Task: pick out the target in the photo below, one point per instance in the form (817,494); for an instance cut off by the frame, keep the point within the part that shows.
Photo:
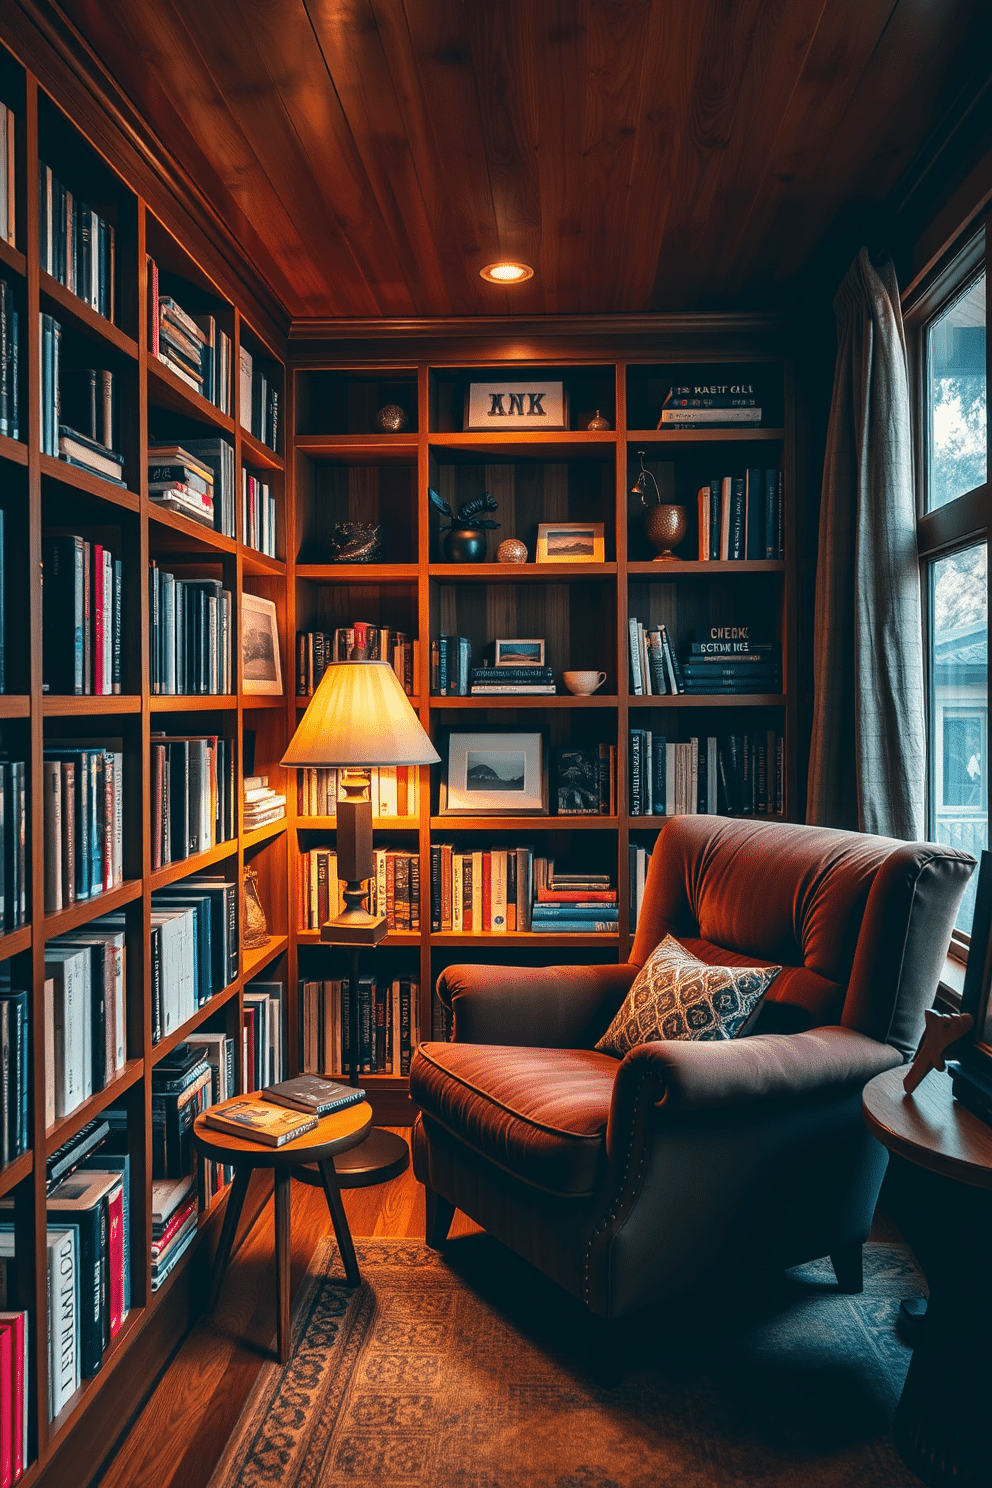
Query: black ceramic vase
(465,545)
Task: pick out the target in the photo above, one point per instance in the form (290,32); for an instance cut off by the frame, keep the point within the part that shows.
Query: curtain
(868,755)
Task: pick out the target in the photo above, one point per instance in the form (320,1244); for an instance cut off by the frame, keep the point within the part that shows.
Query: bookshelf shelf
(166,390)
(255,961)
(255,562)
(211,702)
(175,872)
(69,308)
(683,569)
(85,910)
(13,705)
(186,535)
(14,942)
(12,258)
(379,823)
(15,1172)
(68,1126)
(523,700)
(264,834)
(522,937)
(559,445)
(729,434)
(182,1033)
(712,700)
(255,453)
(92,485)
(82,1399)
(259,701)
(359,573)
(55,705)
(524,823)
(13,450)
(360,449)
(521,573)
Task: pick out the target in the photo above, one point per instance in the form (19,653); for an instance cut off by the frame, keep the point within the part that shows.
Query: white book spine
(63,1317)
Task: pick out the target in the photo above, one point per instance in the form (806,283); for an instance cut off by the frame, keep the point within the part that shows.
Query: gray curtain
(868,757)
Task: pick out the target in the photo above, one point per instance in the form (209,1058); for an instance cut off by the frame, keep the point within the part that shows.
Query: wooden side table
(941,1423)
(338,1132)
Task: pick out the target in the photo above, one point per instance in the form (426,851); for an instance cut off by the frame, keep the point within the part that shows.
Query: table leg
(340,1222)
(235,1204)
(284,1256)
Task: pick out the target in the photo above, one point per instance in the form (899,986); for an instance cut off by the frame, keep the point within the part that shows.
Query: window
(947,339)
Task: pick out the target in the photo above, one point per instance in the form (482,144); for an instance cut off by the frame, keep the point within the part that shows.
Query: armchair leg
(439,1216)
(848,1268)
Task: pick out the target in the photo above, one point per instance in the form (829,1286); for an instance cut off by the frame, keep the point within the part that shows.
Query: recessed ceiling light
(507,273)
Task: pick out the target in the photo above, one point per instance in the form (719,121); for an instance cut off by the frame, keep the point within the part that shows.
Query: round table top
(334,1133)
(929,1127)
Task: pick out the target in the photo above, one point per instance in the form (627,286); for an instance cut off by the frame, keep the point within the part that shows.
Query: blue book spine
(575,927)
(771,514)
(574,912)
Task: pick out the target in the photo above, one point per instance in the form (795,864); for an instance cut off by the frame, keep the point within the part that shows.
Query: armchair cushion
(677,996)
(539,1114)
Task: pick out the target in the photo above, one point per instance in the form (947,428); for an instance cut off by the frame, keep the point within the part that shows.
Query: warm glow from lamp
(507,273)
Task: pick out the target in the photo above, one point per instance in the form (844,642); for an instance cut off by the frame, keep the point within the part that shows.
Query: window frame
(967,519)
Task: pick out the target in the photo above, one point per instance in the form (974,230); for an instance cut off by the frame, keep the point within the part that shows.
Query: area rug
(469,1370)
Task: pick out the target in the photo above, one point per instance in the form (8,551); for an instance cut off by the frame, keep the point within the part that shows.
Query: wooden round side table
(941,1422)
(335,1133)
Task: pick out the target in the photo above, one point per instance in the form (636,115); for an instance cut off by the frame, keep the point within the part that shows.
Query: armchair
(629,1181)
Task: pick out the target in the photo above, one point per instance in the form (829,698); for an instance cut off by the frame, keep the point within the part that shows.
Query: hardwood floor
(176,1440)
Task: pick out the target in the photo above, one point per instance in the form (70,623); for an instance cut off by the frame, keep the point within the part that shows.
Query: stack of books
(193,347)
(654,666)
(258,514)
(691,405)
(13,844)
(258,400)
(317,649)
(10,378)
(175,1209)
(193,948)
(181,1091)
(573,903)
(388,1026)
(192,789)
(178,481)
(15,1017)
(8,176)
(451,660)
(85,1014)
(735,775)
(742,517)
(85,400)
(217,455)
(732,666)
(76,244)
(394,790)
(508,679)
(586,781)
(190,634)
(220,1051)
(83,598)
(84,820)
(261,803)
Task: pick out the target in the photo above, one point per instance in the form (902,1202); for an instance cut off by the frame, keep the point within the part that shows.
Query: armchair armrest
(545,1007)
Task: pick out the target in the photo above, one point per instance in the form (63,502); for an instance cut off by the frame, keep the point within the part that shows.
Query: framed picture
(570,542)
(520,653)
(260,669)
(509,406)
(495,775)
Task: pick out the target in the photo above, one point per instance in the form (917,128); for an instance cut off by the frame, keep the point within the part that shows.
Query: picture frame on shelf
(495,775)
(261,671)
(520,653)
(972,1072)
(508,407)
(570,542)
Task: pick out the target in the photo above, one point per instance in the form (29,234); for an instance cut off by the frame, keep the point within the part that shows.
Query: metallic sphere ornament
(391,419)
(511,550)
(599,423)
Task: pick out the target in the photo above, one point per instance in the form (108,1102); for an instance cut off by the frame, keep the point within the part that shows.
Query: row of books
(76,244)
(492,680)
(638,860)
(735,775)
(193,347)
(316,649)
(77,410)
(10,378)
(13,844)
(573,903)
(176,1206)
(263,1043)
(15,1391)
(586,781)
(482,891)
(742,516)
(258,514)
(707,668)
(85,1014)
(82,616)
(194,948)
(258,400)
(692,404)
(15,1015)
(262,805)
(394,790)
(194,806)
(451,662)
(191,634)
(195,477)
(388,1026)
(84,820)
(8,176)
(394,889)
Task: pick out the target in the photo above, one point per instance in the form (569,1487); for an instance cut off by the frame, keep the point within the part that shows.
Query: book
(256,1121)
(313,1094)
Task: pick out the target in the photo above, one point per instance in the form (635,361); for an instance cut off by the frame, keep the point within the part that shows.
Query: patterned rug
(466,1371)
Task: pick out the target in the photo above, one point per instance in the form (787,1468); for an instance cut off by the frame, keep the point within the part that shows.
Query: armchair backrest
(859,924)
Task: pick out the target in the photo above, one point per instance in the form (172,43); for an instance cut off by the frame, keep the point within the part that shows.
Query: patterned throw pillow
(676,996)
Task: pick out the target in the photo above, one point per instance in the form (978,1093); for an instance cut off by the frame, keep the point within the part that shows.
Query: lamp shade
(360,716)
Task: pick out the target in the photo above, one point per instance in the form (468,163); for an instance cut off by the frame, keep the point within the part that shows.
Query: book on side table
(314,1094)
(256,1122)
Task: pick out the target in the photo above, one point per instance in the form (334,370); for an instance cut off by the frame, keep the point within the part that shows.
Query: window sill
(951,985)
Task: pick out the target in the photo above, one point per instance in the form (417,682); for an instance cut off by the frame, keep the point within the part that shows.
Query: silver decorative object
(391,419)
(354,542)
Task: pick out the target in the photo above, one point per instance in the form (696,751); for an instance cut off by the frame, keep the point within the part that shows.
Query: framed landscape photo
(570,542)
(520,653)
(495,775)
(260,669)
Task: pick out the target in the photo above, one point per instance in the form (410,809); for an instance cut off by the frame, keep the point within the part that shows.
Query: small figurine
(354,542)
(466,539)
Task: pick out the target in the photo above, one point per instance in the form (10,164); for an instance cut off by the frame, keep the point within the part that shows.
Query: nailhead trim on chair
(612,1217)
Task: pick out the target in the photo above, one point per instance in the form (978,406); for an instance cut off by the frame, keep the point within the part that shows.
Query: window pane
(956,398)
(959,671)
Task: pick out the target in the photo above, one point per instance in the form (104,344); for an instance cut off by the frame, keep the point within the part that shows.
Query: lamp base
(354,928)
(383,1155)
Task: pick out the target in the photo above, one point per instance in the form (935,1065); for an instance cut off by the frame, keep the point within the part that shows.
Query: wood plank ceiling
(373,155)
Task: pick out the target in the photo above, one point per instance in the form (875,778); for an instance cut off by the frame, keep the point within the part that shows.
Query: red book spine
(390,891)
(467,925)
(153,307)
(115,1230)
(109,791)
(250,1031)
(175,1224)
(96,593)
(13,1324)
(576,896)
(6,1407)
(487,891)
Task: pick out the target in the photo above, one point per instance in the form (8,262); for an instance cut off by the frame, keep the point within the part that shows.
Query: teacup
(583,683)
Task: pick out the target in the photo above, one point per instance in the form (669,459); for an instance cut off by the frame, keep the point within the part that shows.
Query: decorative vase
(256,931)
(598,423)
(664,528)
(511,550)
(465,545)
(391,419)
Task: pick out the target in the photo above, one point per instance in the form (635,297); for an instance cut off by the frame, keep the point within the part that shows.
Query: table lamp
(359,717)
